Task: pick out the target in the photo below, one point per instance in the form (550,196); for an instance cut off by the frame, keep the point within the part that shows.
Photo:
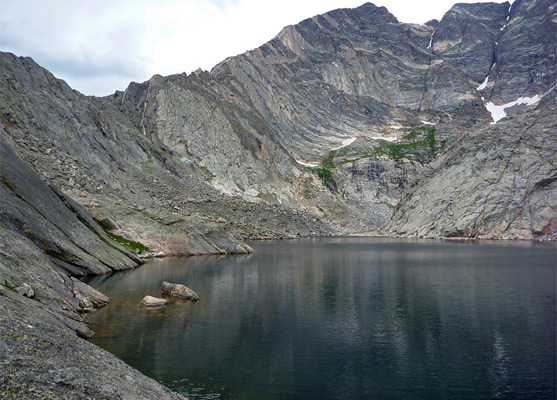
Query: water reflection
(344,318)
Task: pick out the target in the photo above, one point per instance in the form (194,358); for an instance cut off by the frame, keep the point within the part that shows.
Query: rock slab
(150,301)
(179,290)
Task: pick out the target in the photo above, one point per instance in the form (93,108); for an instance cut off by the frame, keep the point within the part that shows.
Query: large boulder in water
(180,291)
(150,301)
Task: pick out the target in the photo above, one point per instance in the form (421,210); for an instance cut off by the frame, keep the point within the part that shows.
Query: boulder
(87,296)
(26,290)
(150,301)
(180,291)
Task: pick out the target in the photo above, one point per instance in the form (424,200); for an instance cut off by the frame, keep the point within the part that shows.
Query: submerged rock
(180,291)
(150,301)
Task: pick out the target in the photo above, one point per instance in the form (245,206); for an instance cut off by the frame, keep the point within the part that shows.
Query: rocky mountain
(349,122)
(489,183)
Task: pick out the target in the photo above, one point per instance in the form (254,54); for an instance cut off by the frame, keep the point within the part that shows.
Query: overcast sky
(100,46)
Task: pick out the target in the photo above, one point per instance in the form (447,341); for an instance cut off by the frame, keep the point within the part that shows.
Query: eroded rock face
(467,35)
(499,182)
(28,206)
(348,73)
(525,57)
(192,164)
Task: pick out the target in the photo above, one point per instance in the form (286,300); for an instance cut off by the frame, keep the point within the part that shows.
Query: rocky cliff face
(112,163)
(291,129)
(348,74)
(489,183)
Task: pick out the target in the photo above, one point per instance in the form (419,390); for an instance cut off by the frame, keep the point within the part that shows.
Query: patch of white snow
(306,163)
(431,41)
(386,138)
(427,123)
(345,143)
(498,112)
(484,84)
(396,127)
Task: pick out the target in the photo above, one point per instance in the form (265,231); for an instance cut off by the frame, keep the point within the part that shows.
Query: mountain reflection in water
(344,318)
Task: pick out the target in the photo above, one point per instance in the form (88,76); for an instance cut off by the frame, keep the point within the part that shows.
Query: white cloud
(100,46)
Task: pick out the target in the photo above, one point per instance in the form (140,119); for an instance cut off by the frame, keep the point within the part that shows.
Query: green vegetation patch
(420,143)
(12,288)
(130,244)
(325,172)
(7,183)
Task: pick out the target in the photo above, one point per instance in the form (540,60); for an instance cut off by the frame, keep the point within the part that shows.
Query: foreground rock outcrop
(44,237)
(40,354)
(40,358)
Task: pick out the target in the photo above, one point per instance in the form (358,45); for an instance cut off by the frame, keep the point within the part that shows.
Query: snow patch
(484,84)
(306,163)
(345,142)
(498,112)
(396,127)
(427,123)
(431,40)
(386,138)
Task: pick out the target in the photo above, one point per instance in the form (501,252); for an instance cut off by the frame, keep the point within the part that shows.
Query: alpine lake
(344,318)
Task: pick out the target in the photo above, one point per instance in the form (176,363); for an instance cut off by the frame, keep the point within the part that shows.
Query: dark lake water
(344,318)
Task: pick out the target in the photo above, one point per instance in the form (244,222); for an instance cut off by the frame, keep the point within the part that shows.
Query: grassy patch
(12,288)
(420,144)
(325,172)
(130,244)
(8,184)
(269,197)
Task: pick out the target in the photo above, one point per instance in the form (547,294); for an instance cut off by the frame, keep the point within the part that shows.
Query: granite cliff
(349,122)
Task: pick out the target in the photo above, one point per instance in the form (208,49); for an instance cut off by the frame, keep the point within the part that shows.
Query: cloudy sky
(99,46)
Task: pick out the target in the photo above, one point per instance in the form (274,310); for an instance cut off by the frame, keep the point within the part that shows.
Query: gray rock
(525,54)
(90,296)
(150,301)
(179,290)
(472,49)
(26,290)
(105,221)
(32,208)
(42,357)
(495,183)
